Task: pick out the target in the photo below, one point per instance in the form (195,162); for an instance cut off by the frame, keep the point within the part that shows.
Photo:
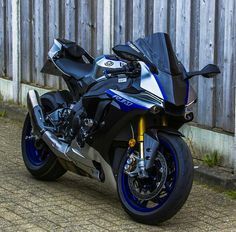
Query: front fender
(170,131)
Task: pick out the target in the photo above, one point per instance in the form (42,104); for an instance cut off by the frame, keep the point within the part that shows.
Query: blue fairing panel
(126,102)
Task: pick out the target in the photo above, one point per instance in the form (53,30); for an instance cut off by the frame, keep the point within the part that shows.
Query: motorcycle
(117,123)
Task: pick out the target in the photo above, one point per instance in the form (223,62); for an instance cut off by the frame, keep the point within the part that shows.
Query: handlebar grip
(117,70)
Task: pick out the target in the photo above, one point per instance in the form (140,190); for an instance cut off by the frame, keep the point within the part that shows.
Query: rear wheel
(40,162)
(157,198)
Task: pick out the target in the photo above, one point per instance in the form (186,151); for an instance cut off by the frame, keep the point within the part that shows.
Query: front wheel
(157,198)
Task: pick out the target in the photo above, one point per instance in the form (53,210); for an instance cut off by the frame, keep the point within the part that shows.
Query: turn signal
(132,142)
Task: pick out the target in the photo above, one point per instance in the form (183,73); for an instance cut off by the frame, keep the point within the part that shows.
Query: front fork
(140,139)
(147,151)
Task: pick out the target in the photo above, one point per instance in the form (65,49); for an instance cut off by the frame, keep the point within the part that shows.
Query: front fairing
(170,78)
(169,88)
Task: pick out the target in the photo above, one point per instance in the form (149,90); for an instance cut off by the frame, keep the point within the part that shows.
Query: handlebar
(121,70)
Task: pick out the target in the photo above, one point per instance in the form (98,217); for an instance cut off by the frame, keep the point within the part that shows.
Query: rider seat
(72,60)
(74,68)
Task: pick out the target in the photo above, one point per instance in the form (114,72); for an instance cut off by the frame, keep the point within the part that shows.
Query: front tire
(177,187)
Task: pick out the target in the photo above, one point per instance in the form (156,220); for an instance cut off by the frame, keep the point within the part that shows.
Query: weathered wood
(160,16)
(219,53)
(8,39)
(97,25)
(16,50)
(194,47)
(2,38)
(70,19)
(107,25)
(86,25)
(26,44)
(120,21)
(229,65)
(39,28)
(183,37)
(138,19)
(206,87)
(171,20)
(149,17)
(93,28)
(53,33)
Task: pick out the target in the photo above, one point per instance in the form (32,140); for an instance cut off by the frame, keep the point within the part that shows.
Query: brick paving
(75,203)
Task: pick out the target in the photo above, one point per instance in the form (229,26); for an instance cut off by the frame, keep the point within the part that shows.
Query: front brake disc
(150,187)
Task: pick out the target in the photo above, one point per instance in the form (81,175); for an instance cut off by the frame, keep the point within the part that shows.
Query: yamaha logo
(122,100)
(109,63)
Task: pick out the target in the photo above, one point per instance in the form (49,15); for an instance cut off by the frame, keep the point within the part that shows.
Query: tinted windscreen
(159,51)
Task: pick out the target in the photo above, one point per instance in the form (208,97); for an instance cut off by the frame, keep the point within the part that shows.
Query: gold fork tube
(141,131)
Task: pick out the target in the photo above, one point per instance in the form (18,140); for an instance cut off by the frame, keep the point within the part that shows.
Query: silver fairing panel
(83,158)
(148,81)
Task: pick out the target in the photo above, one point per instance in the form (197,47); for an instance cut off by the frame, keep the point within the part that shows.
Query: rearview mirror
(210,70)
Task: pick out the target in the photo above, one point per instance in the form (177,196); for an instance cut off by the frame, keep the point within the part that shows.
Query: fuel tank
(106,62)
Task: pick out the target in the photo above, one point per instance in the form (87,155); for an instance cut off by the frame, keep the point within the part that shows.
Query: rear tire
(42,164)
(168,206)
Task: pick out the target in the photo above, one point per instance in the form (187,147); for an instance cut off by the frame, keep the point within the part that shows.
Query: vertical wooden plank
(16,49)
(229,66)
(62,19)
(129,20)
(160,16)
(171,18)
(206,56)
(107,26)
(94,24)
(2,37)
(39,41)
(234,148)
(119,21)
(149,17)
(219,53)
(99,27)
(70,20)
(53,33)
(138,19)
(9,39)
(86,25)
(183,22)
(26,41)
(194,47)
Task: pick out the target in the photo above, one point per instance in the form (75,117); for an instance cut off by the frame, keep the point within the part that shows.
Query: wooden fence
(202,32)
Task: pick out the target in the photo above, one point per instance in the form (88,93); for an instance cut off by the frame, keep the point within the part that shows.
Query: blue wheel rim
(35,157)
(134,202)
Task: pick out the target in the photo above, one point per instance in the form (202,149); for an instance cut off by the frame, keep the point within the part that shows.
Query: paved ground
(74,203)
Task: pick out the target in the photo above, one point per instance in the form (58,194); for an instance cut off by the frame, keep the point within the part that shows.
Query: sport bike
(118,123)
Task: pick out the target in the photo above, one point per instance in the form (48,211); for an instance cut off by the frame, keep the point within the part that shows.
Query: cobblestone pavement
(74,203)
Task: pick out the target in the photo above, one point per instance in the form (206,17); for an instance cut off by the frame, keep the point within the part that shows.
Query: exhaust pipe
(35,111)
(37,119)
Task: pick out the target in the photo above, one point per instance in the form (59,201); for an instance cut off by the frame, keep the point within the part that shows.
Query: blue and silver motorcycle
(118,123)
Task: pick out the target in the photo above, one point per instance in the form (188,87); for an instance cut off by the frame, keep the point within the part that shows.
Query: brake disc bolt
(130,161)
(127,167)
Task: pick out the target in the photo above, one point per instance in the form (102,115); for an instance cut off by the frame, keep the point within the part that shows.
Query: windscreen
(158,49)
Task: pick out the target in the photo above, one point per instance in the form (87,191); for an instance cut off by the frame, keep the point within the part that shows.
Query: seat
(74,68)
